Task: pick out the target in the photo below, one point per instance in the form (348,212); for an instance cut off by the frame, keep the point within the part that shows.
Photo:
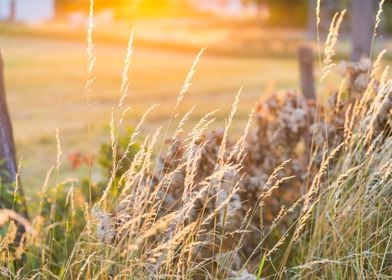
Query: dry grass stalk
(125,74)
(188,79)
(7,215)
(330,43)
(91,58)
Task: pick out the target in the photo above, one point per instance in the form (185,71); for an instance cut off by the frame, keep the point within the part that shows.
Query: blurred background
(250,43)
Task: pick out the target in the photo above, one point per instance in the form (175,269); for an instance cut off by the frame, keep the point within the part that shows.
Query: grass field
(46,78)
(302,193)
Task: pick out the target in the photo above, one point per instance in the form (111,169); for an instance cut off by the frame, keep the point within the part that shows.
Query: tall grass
(209,207)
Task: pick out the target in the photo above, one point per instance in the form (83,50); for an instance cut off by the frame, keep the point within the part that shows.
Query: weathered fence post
(8,165)
(305,58)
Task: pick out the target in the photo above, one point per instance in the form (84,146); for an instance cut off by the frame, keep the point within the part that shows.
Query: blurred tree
(84,4)
(327,10)
(363,16)
(9,196)
(124,8)
(285,12)
(387,16)
(12,10)
(71,4)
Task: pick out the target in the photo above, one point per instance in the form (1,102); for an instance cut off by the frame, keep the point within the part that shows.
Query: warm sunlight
(195,139)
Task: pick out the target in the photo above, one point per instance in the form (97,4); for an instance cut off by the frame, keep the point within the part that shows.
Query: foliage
(125,8)
(387,14)
(285,12)
(105,155)
(10,198)
(125,154)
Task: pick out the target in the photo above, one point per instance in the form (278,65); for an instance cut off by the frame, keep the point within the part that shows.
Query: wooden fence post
(305,58)
(8,165)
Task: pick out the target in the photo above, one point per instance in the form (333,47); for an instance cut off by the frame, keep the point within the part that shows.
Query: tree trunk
(327,9)
(12,16)
(7,148)
(363,14)
(8,166)
(312,20)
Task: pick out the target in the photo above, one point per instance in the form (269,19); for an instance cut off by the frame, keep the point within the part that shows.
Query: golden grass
(182,213)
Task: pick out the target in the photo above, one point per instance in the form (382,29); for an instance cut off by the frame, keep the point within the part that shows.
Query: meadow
(289,188)
(46,78)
